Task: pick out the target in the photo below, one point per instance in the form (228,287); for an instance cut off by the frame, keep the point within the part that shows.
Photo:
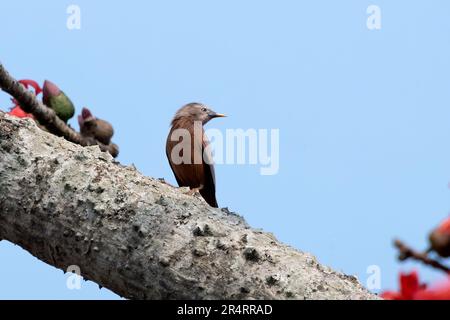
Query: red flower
(17,110)
(19,113)
(439,292)
(31,83)
(411,289)
(409,286)
(392,295)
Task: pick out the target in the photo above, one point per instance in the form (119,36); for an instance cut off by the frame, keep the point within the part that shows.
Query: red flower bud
(440,239)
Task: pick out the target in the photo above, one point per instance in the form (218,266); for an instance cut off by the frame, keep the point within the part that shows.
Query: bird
(194,170)
(57,100)
(92,127)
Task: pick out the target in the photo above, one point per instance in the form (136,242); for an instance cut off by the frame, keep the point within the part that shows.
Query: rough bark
(143,239)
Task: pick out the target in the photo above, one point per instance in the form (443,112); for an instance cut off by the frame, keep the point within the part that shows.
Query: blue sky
(363,114)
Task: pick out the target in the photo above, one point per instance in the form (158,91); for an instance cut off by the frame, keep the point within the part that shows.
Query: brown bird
(188,153)
(96,128)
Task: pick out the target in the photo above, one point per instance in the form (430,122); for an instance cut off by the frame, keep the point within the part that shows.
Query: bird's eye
(204,109)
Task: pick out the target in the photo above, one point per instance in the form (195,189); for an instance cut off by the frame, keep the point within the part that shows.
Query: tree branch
(141,238)
(46,116)
(409,253)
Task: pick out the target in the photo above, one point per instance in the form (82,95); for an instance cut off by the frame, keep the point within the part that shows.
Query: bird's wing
(187,175)
(209,188)
(174,168)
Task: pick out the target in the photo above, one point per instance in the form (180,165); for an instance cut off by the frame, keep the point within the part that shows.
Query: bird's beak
(216,115)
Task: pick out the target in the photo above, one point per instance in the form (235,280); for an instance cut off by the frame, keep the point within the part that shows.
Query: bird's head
(196,112)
